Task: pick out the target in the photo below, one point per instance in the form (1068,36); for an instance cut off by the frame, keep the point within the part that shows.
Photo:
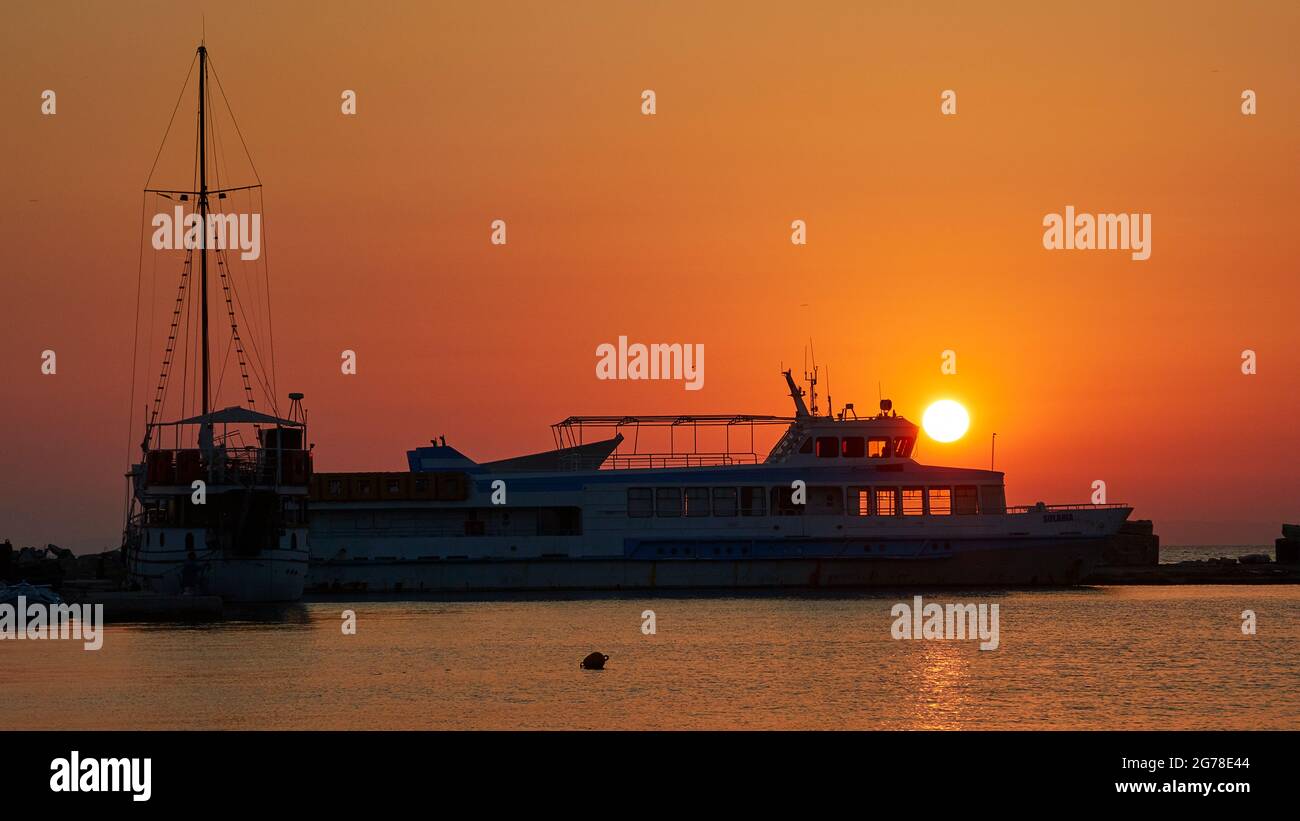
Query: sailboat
(217,503)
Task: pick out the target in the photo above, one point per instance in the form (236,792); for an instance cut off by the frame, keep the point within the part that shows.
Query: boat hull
(277,575)
(1040,562)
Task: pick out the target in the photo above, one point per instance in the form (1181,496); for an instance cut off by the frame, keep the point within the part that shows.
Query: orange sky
(925,231)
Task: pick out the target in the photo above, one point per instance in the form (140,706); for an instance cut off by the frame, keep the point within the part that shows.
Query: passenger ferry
(838,502)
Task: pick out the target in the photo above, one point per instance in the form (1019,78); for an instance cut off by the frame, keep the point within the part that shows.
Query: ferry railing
(1042,508)
(643,461)
(247,465)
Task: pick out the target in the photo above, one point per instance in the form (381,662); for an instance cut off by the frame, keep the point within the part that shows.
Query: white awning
(235,415)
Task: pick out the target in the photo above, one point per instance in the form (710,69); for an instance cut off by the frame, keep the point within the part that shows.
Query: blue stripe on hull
(670,549)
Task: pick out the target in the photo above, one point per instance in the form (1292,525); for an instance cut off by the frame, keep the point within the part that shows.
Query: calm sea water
(1192,552)
(1121,657)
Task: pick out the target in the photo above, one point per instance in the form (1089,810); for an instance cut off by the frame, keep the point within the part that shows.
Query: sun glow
(945,421)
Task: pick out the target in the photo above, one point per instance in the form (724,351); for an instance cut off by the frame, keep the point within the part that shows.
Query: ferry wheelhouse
(838,501)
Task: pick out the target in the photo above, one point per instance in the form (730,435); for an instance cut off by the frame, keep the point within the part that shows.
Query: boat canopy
(235,415)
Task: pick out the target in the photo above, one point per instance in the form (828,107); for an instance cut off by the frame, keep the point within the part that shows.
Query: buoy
(595,661)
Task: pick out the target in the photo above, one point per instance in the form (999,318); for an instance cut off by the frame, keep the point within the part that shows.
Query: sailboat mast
(203,214)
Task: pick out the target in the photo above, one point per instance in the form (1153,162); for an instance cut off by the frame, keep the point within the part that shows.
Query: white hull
(277,575)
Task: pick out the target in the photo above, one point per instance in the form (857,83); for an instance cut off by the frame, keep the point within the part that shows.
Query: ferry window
(886,501)
(162,538)
(826,501)
(640,502)
(913,501)
(559,521)
(807,446)
(668,501)
(189,541)
(853,447)
(752,501)
(420,485)
(859,501)
(903,446)
(878,447)
(965,500)
(697,501)
(940,501)
(993,499)
(828,447)
(724,501)
(336,487)
(783,502)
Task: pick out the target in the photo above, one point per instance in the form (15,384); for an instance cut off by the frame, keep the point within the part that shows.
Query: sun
(945,421)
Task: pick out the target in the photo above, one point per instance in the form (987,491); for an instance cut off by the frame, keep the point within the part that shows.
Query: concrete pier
(1199,573)
(1133,557)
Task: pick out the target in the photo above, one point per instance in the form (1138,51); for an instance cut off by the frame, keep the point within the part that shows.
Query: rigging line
(135,339)
(179,98)
(228,286)
(268,373)
(220,160)
(258,371)
(169,353)
(221,377)
(266,274)
(218,154)
(265,378)
(223,257)
(135,348)
(153,295)
(233,121)
(172,336)
(256,301)
(225,358)
(185,362)
(262,382)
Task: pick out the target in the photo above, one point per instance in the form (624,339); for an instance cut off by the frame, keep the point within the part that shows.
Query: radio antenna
(811,376)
